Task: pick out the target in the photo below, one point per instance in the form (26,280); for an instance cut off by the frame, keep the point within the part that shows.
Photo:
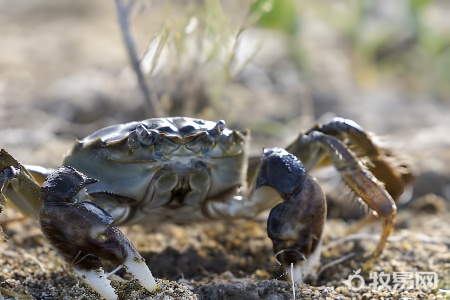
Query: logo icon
(356,277)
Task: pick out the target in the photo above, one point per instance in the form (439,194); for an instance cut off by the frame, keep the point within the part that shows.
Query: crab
(183,170)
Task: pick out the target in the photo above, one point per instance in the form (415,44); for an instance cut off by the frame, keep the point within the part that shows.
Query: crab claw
(294,226)
(18,186)
(84,234)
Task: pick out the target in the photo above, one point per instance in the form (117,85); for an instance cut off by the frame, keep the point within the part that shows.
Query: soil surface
(64,74)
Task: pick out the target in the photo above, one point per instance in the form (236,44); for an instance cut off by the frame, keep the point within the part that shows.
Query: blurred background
(272,66)
(275,67)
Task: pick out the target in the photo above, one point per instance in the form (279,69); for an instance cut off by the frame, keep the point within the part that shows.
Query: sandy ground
(63,75)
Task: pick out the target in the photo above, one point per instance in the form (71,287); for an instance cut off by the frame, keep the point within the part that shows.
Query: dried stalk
(123,14)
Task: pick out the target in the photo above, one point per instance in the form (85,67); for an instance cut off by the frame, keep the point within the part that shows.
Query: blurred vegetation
(403,42)
(408,41)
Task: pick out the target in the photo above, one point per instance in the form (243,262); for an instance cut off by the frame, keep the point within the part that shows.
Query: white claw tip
(137,267)
(98,281)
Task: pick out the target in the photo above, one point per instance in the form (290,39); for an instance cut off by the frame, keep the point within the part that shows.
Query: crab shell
(161,169)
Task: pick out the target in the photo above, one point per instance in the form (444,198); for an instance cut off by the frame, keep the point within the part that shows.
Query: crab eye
(145,136)
(215,132)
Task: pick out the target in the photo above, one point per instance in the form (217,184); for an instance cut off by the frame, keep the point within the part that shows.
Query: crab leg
(358,177)
(393,170)
(18,186)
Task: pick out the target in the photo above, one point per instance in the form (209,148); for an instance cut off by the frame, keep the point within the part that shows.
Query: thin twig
(335,262)
(35,259)
(392,239)
(292,279)
(123,14)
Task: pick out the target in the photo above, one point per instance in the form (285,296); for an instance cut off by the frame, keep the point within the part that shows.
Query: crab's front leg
(18,185)
(356,175)
(295,226)
(84,233)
